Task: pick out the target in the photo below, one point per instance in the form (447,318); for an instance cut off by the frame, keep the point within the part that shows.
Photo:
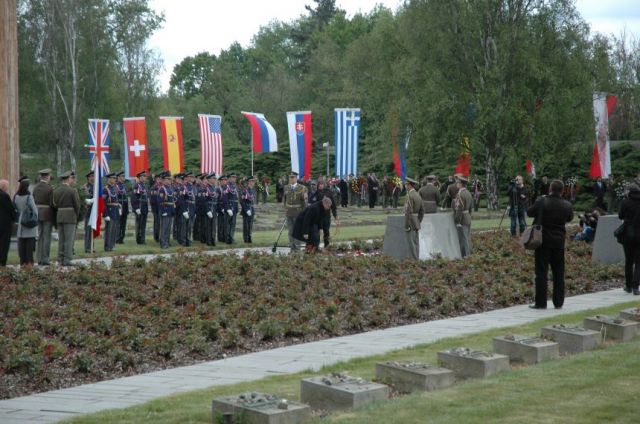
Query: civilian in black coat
(308,223)
(7,218)
(556,213)
(630,214)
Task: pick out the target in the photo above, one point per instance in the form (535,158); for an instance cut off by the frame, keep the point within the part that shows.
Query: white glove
(186,215)
(138,211)
(249,212)
(164,214)
(88,201)
(230,212)
(107,218)
(210,214)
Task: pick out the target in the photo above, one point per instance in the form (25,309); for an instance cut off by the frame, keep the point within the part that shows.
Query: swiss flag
(135,141)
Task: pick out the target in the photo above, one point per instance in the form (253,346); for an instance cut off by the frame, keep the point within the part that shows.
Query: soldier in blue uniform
(188,210)
(197,221)
(153,201)
(177,189)
(230,205)
(222,213)
(166,208)
(210,197)
(248,213)
(140,206)
(112,212)
(124,208)
(88,201)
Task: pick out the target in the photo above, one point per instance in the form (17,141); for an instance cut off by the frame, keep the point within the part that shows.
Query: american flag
(99,150)
(210,143)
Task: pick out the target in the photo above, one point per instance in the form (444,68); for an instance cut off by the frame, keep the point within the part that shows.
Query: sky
(194,26)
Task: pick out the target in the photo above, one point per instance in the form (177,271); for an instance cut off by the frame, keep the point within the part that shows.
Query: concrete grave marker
(617,329)
(528,350)
(339,391)
(572,339)
(260,408)
(409,377)
(606,249)
(631,314)
(437,237)
(467,363)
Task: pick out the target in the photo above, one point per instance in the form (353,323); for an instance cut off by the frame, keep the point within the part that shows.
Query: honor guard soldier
(462,209)
(188,210)
(87,191)
(153,201)
(124,208)
(66,201)
(413,214)
(140,206)
(43,196)
(198,221)
(112,212)
(210,197)
(177,217)
(166,208)
(430,195)
(295,200)
(230,205)
(248,213)
(222,213)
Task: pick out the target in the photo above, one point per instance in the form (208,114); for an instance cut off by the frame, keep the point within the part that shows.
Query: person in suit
(373,186)
(518,203)
(66,201)
(630,214)
(43,196)
(556,213)
(599,190)
(413,214)
(462,209)
(309,221)
(7,217)
(430,195)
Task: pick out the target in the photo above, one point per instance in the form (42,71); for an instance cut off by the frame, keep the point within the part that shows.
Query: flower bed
(93,323)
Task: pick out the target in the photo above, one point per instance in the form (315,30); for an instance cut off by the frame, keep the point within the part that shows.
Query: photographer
(518,203)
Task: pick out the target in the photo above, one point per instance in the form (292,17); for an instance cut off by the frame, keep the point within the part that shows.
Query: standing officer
(153,202)
(124,206)
(462,208)
(188,210)
(518,204)
(112,212)
(430,195)
(177,217)
(413,214)
(87,189)
(248,212)
(450,191)
(43,196)
(294,200)
(68,212)
(198,222)
(210,197)
(166,208)
(140,206)
(222,213)
(230,205)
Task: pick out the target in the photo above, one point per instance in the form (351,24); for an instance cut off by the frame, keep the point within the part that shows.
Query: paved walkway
(123,392)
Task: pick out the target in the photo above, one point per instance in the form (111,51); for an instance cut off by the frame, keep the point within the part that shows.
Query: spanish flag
(171,133)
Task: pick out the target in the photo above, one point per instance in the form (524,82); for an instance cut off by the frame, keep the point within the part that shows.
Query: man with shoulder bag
(629,237)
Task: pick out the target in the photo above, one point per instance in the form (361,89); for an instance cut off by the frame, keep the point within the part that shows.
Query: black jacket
(7,212)
(310,216)
(556,213)
(629,207)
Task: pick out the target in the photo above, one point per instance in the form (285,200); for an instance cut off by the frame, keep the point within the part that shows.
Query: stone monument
(408,377)
(468,363)
(339,391)
(528,350)
(606,248)
(617,329)
(631,314)
(260,408)
(572,339)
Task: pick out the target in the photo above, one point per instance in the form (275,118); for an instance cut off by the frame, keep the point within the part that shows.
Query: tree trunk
(493,175)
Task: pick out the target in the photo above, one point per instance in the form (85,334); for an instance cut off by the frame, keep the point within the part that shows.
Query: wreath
(353,184)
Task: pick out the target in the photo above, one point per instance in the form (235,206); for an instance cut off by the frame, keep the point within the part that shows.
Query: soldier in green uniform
(66,201)
(43,196)
(462,208)
(295,200)
(413,214)
(430,195)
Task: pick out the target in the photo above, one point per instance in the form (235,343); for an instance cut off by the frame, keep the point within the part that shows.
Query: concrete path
(123,392)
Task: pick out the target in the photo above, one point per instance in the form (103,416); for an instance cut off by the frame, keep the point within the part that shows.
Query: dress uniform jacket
(43,196)
(112,207)
(413,207)
(463,205)
(431,197)
(140,198)
(67,204)
(294,199)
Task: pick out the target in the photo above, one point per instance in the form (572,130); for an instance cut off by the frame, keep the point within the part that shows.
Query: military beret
(90,173)
(65,175)
(141,174)
(21,179)
(110,175)
(45,171)
(411,181)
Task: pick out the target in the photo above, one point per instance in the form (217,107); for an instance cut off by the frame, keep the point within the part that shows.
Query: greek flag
(347,122)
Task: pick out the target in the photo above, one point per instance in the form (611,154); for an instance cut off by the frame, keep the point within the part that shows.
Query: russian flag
(300,142)
(263,135)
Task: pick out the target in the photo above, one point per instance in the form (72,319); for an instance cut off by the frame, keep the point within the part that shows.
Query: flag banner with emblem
(347,130)
(400,153)
(99,153)
(136,158)
(171,134)
(603,106)
(530,167)
(210,143)
(263,136)
(463,164)
(300,142)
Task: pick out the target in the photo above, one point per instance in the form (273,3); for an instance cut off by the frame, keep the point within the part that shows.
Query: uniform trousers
(156,226)
(111,232)
(26,246)
(88,233)
(43,248)
(5,242)
(413,241)
(247,228)
(186,230)
(230,223)
(294,244)
(165,231)
(141,227)
(464,233)
(66,238)
(631,265)
(222,227)
(210,230)
(122,227)
(545,257)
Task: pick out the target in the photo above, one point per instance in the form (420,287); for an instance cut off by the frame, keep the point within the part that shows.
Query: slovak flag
(135,142)
(300,142)
(263,136)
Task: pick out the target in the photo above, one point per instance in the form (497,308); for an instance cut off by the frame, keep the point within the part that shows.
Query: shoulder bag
(28,217)
(531,238)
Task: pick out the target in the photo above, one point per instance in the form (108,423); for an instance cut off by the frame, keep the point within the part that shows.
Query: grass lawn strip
(592,387)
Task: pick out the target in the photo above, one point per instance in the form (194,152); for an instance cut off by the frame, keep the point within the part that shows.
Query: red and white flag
(603,106)
(531,168)
(135,143)
(210,143)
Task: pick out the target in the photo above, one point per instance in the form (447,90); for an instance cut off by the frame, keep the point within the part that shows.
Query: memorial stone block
(340,392)
(260,408)
(631,314)
(437,237)
(617,329)
(467,363)
(605,247)
(528,350)
(572,339)
(409,377)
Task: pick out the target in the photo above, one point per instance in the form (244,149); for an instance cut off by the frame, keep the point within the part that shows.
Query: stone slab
(524,349)
(605,247)
(571,339)
(437,237)
(617,329)
(631,314)
(338,392)
(260,408)
(408,377)
(468,363)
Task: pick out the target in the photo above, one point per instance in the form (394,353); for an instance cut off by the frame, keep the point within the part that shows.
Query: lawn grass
(593,387)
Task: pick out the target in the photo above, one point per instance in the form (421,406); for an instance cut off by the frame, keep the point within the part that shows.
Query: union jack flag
(99,150)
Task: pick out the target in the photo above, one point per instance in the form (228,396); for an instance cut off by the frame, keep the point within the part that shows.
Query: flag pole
(251,160)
